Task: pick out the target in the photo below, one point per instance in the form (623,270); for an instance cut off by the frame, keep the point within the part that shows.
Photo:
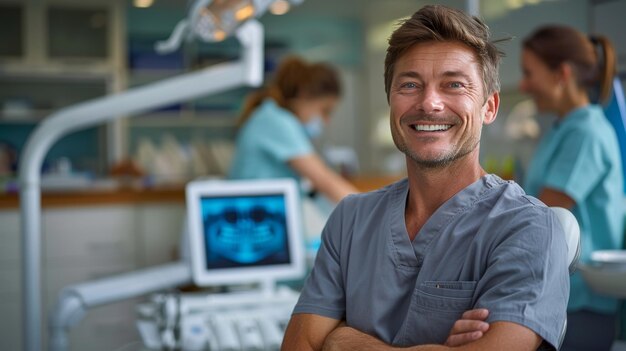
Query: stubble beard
(437,162)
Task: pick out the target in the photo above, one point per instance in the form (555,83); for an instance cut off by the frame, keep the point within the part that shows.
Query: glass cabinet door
(77,32)
(11,31)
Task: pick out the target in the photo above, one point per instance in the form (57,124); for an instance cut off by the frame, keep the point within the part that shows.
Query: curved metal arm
(75,300)
(218,78)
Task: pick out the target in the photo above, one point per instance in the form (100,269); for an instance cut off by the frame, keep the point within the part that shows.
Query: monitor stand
(267,287)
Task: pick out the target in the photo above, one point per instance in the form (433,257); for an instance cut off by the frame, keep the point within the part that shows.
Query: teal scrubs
(580,157)
(267,141)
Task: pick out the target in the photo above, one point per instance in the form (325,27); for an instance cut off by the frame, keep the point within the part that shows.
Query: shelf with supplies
(30,97)
(18,113)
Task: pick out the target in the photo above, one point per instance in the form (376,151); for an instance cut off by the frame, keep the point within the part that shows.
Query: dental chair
(572,238)
(572,235)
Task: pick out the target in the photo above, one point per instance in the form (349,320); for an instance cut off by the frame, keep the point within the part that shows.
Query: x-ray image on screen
(245,231)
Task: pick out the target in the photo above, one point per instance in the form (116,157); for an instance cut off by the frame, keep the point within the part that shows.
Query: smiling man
(398,266)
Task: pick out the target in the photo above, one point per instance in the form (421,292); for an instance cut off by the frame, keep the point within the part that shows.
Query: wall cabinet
(56,53)
(82,244)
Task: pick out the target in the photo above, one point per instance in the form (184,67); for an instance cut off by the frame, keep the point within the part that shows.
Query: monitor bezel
(199,189)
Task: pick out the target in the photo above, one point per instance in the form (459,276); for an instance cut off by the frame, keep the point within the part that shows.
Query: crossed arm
(313,332)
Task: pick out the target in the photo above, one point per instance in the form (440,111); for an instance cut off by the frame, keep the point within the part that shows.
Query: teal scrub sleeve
(576,166)
(286,139)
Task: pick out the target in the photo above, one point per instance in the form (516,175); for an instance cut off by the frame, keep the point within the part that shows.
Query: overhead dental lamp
(214,20)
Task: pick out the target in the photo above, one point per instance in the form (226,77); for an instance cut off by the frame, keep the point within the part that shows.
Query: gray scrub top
(489,246)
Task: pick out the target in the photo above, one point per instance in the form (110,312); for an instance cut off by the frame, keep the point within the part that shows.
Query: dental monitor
(244,232)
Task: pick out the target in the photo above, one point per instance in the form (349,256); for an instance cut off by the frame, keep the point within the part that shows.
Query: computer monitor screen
(244,231)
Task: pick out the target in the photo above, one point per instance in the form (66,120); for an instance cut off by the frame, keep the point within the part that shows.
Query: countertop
(136,195)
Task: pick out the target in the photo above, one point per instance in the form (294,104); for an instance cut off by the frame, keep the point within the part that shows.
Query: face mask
(314,127)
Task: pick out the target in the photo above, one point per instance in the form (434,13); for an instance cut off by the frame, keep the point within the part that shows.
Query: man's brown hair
(442,23)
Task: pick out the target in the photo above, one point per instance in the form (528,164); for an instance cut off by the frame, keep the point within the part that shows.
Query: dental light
(214,20)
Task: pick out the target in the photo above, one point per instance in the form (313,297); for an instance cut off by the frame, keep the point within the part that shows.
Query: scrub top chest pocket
(435,306)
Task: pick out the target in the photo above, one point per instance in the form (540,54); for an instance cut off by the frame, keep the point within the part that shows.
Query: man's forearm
(346,338)
(501,336)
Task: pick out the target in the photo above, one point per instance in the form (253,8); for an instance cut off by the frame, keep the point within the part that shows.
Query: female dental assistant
(577,164)
(278,123)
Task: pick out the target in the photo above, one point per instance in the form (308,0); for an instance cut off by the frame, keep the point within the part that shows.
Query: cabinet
(10,290)
(81,244)
(56,53)
(11,21)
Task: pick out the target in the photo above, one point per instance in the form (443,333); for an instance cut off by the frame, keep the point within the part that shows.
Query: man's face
(438,104)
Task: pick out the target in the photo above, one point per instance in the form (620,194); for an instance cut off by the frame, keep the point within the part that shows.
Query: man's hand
(470,327)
